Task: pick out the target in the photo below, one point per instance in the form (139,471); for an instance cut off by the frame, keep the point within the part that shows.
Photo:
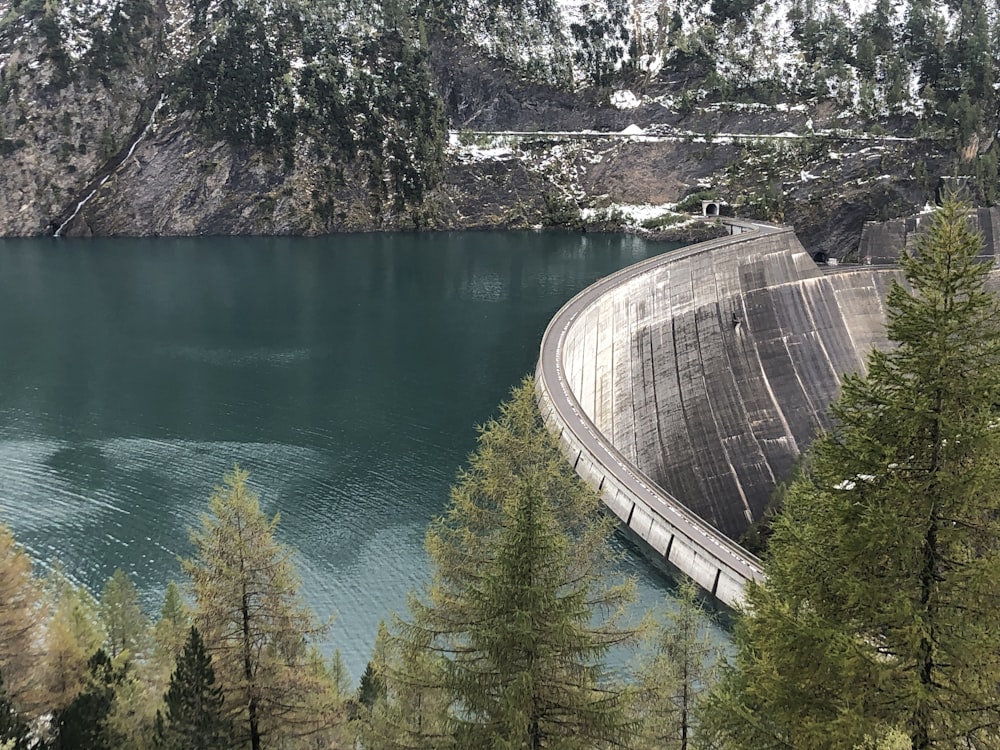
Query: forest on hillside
(362,83)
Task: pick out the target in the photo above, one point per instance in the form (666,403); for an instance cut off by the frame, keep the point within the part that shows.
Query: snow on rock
(624,99)
(628,214)
(633,129)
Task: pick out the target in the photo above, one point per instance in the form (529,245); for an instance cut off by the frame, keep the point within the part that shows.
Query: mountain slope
(253,116)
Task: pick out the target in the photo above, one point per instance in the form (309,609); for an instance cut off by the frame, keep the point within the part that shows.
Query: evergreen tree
(883,577)
(170,631)
(371,687)
(194,717)
(126,626)
(22,614)
(74,634)
(253,620)
(82,724)
(677,675)
(514,627)
(15,734)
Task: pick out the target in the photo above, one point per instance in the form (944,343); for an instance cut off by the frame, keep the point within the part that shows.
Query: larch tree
(194,718)
(15,733)
(23,611)
(73,636)
(83,722)
(679,668)
(126,626)
(405,706)
(169,636)
(515,625)
(883,574)
(253,621)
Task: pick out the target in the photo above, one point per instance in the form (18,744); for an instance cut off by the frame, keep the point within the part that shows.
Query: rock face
(111,144)
(58,132)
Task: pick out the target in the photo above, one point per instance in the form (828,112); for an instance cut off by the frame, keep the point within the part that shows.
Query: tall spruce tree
(194,718)
(883,575)
(254,622)
(514,628)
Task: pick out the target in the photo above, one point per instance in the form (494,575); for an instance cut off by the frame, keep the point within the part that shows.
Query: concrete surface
(685,387)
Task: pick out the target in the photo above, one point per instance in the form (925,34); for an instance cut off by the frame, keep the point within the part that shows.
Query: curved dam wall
(684,387)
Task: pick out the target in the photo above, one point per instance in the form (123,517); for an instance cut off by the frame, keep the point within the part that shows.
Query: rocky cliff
(188,117)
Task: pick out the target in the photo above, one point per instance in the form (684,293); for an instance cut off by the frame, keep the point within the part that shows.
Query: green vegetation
(254,622)
(505,648)
(368,101)
(674,678)
(874,629)
(663,221)
(883,572)
(194,717)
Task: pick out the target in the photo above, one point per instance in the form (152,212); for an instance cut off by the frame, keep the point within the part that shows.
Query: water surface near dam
(345,373)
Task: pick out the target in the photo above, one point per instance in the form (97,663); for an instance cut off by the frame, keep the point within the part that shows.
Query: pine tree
(253,620)
(194,717)
(883,576)
(82,724)
(677,675)
(514,627)
(126,626)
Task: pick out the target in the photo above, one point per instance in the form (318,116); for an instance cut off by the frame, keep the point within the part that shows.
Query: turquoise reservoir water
(345,373)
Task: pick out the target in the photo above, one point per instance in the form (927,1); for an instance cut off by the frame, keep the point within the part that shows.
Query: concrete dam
(683,388)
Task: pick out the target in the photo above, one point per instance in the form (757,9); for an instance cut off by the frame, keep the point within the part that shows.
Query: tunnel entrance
(710,208)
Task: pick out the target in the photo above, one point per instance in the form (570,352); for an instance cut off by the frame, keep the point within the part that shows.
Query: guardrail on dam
(684,387)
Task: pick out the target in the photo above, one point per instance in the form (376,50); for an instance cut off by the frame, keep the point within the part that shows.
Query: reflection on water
(345,373)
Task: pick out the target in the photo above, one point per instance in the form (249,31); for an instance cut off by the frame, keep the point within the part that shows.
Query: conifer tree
(82,724)
(171,630)
(253,620)
(514,628)
(194,718)
(127,628)
(22,614)
(131,722)
(677,674)
(883,576)
(73,635)
(371,687)
(15,734)
(409,706)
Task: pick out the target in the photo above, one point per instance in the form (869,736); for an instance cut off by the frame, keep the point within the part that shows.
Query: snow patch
(624,99)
